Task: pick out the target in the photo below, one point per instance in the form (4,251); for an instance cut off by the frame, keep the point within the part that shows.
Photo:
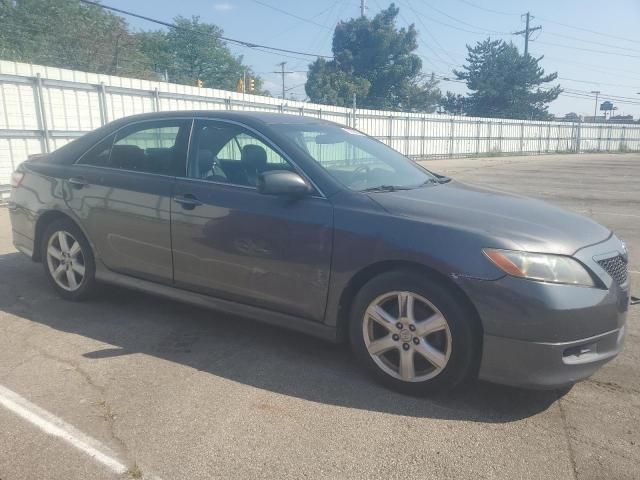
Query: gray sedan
(317,227)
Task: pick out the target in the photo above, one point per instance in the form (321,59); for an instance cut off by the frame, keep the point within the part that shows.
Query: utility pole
(282,72)
(595,107)
(527,32)
(363,8)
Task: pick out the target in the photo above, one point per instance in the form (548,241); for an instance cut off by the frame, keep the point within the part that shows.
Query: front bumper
(546,365)
(543,335)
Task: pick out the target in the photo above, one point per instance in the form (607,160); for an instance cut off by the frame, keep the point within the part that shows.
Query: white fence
(42,108)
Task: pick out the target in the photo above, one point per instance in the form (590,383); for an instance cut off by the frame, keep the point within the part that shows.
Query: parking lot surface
(139,386)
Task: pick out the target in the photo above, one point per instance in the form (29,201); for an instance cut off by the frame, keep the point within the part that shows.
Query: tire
(74,260)
(444,350)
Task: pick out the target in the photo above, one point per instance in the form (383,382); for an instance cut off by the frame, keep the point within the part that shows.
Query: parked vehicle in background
(313,226)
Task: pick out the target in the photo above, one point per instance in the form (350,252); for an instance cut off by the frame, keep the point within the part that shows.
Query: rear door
(232,242)
(121,190)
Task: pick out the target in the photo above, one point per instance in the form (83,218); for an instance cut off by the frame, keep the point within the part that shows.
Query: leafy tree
(503,83)
(69,34)
(74,35)
(328,85)
(194,51)
(374,60)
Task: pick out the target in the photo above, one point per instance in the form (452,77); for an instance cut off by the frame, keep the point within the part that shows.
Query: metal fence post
(578,137)
(156,99)
(489,138)
(599,136)
(406,135)
(102,101)
(609,131)
(478,128)
(500,137)
(451,135)
(390,132)
(41,113)
(622,146)
(423,136)
(548,138)
(522,137)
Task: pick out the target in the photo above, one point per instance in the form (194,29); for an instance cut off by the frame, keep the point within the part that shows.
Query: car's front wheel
(413,334)
(68,260)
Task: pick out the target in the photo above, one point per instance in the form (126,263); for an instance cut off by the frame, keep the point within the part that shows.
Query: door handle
(78,182)
(188,201)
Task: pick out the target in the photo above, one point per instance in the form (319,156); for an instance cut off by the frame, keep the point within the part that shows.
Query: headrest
(205,161)
(254,156)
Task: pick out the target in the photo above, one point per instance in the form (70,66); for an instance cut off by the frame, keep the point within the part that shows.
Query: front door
(121,189)
(232,242)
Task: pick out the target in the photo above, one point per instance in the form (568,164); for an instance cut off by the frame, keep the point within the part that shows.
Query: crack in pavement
(108,415)
(567,434)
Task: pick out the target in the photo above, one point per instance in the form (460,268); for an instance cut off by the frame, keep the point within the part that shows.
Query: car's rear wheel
(413,334)
(68,260)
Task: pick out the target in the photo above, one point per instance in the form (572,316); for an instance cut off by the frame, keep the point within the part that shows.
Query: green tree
(194,51)
(69,34)
(503,84)
(375,60)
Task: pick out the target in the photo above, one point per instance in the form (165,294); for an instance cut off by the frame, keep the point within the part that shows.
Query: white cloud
(223,6)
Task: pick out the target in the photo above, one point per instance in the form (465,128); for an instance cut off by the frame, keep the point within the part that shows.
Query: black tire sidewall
(88,282)
(465,341)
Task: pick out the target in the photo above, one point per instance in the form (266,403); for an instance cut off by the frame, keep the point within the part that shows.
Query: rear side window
(154,147)
(150,147)
(98,155)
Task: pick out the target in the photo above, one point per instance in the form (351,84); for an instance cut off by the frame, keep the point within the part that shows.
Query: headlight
(539,266)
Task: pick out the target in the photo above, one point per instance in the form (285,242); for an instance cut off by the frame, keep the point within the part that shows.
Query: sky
(593,45)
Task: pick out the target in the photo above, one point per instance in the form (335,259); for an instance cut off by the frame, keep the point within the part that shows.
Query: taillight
(16,179)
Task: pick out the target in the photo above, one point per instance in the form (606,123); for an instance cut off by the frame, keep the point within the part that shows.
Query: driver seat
(254,161)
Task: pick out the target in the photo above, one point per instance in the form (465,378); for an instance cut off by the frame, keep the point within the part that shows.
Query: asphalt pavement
(132,386)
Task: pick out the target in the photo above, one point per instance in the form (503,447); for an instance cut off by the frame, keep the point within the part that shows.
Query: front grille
(616,267)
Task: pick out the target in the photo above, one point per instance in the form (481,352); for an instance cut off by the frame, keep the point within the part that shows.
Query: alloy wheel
(407,336)
(65,260)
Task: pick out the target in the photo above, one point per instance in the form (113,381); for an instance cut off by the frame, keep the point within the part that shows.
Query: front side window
(356,160)
(228,153)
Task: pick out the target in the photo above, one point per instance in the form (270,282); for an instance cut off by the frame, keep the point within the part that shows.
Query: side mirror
(283,182)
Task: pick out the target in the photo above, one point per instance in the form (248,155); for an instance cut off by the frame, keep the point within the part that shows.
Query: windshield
(357,161)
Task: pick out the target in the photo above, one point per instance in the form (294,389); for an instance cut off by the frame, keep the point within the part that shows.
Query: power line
(293,15)
(462,22)
(588,30)
(592,42)
(479,7)
(590,50)
(430,35)
(221,37)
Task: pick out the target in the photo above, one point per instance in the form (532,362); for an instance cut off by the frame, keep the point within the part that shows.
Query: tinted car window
(98,155)
(151,147)
(230,154)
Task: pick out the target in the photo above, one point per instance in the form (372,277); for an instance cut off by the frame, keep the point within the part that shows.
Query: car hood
(510,221)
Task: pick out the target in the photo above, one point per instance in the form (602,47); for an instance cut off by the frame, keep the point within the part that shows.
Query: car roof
(248,117)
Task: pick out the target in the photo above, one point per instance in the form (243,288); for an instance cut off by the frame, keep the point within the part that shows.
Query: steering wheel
(361,171)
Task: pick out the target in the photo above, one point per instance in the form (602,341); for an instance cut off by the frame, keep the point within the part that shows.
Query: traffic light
(252,85)
(199,83)
(240,86)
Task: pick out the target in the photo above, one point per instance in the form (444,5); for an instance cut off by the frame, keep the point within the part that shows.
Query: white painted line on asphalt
(56,427)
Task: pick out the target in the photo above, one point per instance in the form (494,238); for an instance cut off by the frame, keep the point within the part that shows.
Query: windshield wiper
(386,188)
